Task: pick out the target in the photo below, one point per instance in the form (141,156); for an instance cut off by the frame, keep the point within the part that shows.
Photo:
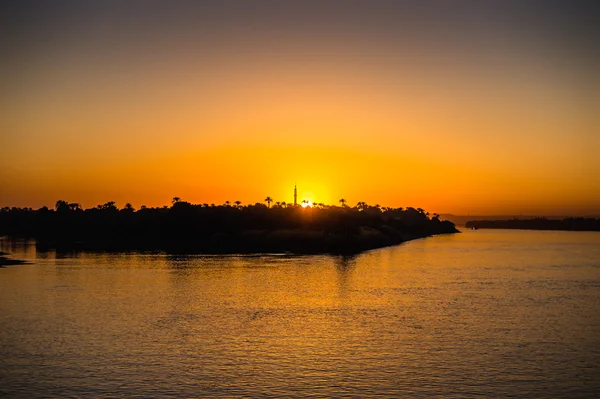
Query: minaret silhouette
(295,195)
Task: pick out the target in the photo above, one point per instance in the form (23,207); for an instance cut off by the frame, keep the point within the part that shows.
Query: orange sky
(446,114)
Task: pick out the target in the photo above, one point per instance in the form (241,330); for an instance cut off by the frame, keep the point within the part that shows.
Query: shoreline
(4,261)
(568,224)
(275,242)
(189,228)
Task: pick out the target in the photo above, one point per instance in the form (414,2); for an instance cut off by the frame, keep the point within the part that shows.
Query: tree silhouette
(200,228)
(109,206)
(361,206)
(268,200)
(227,203)
(175,199)
(62,206)
(343,202)
(238,203)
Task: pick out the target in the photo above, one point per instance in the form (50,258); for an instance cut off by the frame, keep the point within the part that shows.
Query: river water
(494,313)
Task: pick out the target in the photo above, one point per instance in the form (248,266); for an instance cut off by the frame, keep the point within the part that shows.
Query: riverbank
(4,261)
(186,227)
(255,241)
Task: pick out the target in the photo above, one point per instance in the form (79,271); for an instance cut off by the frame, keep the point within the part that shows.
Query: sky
(465,107)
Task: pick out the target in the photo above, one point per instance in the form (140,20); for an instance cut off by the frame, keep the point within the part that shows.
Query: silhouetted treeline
(186,227)
(572,224)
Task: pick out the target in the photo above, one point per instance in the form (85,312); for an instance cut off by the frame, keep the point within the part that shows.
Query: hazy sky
(487,107)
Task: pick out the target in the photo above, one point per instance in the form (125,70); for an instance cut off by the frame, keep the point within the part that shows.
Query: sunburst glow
(218,103)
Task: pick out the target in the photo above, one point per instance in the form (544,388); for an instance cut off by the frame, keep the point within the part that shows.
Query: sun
(306,203)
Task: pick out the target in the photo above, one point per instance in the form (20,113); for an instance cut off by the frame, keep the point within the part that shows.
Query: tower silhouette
(295,195)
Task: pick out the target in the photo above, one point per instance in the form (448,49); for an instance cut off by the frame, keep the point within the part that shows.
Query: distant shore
(222,229)
(567,224)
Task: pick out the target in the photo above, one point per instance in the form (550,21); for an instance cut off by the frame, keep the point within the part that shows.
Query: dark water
(492,313)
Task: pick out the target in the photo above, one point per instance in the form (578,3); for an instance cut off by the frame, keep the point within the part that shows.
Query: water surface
(490,312)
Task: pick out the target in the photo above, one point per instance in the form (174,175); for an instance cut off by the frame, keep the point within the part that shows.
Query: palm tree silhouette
(361,205)
(343,202)
(268,200)
(238,203)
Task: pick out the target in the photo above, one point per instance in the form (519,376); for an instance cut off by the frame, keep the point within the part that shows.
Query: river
(496,313)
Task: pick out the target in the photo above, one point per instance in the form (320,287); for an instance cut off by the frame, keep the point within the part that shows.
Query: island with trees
(183,227)
(569,224)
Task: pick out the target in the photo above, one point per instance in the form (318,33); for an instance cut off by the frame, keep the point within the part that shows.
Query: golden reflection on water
(494,313)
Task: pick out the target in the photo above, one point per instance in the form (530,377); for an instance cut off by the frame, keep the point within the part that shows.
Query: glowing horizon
(393,104)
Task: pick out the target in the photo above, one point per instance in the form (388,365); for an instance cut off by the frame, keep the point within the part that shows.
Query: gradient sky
(458,107)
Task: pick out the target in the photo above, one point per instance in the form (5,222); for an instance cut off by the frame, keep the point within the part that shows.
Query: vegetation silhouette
(201,228)
(569,224)
(268,200)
